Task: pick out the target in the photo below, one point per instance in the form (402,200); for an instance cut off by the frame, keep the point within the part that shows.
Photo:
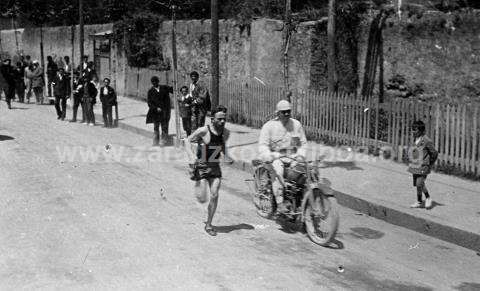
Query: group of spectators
(85,92)
(27,77)
(23,79)
(194,103)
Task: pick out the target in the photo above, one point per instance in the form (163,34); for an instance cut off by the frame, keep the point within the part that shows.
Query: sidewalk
(370,185)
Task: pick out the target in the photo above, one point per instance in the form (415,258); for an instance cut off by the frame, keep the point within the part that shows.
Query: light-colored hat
(35,62)
(283,105)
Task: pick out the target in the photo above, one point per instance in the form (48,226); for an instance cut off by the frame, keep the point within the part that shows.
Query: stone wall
(8,44)
(439,53)
(193,48)
(57,41)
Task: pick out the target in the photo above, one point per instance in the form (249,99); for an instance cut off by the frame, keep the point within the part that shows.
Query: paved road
(80,222)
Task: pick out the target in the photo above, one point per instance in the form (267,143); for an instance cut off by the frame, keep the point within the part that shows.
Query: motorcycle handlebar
(301,159)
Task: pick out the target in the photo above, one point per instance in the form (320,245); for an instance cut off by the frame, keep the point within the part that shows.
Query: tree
(331,68)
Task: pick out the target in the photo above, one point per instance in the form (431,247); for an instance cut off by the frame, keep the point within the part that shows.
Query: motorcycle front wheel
(321,217)
(263,197)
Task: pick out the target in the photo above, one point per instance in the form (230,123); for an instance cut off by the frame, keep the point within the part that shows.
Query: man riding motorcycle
(281,137)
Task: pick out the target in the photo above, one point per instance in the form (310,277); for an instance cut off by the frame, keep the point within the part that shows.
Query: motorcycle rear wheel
(321,218)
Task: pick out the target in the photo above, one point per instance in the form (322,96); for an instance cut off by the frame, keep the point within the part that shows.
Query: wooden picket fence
(348,119)
(363,121)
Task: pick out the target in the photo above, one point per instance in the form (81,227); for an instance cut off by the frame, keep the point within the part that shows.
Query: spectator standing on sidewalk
(3,84)
(37,82)
(27,61)
(83,66)
(19,73)
(185,109)
(108,97)
(61,90)
(66,65)
(52,69)
(89,98)
(201,100)
(90,72)
(8,81)
(29,80)
(77,99)
(159,108)
(422,158)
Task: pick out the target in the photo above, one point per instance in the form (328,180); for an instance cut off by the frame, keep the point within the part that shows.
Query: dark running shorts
(420,179)
(205,170)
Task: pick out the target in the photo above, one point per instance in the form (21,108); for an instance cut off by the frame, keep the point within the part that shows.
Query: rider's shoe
(281,208)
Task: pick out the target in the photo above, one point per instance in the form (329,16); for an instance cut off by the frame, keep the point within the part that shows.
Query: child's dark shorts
(419,180)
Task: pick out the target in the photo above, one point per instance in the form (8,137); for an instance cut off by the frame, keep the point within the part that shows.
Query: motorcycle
(309,200)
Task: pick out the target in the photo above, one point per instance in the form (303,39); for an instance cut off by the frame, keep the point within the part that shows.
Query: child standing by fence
(422,157)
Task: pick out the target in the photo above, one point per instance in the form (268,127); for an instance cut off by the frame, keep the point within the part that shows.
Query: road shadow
(359,276)
(19,108)
(230,228)
(435,204)
(468,286)
(289,226)
(5,137)
(347,165)
(335,244)
(133,116)
(365,233)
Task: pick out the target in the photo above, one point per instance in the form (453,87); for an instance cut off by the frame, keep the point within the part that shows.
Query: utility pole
(215,53)
(72,61)
(42,59)
(331,68)
(81,37)
(175,89)
(286,39)
(15,32)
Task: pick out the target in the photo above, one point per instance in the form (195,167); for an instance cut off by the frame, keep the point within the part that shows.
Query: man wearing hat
(201,100)
(61,91)
(159,107)
(9,85)
(37,82)
(281,136)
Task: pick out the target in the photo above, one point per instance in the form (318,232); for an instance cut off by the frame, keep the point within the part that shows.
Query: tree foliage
(139,33)
(65,12)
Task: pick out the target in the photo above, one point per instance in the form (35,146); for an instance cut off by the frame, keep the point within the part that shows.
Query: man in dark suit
(108,97)
(89,99)
(61,91)
(159,110)
(52,69)
(8,81)
(77,98)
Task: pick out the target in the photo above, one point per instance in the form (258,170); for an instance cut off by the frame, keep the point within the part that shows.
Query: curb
(427,227)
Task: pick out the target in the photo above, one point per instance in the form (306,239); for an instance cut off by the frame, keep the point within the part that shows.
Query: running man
(211,140)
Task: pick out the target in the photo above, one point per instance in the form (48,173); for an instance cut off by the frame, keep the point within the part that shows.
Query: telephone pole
(81,40)
(175,86)
(286,38)
(215,53)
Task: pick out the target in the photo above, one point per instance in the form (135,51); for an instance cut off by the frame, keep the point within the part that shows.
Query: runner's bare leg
(212,206)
